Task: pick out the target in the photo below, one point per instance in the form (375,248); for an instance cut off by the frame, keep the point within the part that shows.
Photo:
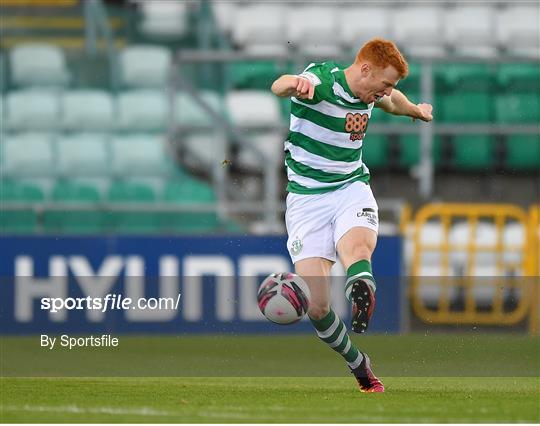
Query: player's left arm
(398,104)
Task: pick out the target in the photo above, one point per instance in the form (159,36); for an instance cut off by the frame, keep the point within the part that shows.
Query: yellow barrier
(533,267)
(449,282)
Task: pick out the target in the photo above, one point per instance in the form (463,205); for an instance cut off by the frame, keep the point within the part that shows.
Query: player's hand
(304,88)
(424,112)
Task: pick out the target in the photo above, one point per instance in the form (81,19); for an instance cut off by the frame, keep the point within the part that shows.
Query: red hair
(382,53)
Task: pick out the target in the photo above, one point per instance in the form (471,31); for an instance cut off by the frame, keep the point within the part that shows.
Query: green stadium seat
(83,155)
(133,191)
(518,108)
(140,155)
(410,149)
(20,191)
(473,152)
(412,82)
(375,151)
(523,152)
(28,154)
(464,77)
(467,107)
(75,221)
(185,191)
(254,74)
(519,77)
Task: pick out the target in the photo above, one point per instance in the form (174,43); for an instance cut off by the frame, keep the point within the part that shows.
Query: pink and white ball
(283,298)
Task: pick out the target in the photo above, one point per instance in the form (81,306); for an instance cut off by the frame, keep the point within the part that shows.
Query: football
(283,298)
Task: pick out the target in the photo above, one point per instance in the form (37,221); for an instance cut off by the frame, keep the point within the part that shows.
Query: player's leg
(329,327)
(355,233)
(355,249)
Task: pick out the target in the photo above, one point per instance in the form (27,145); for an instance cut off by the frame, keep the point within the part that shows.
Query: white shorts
(316,222)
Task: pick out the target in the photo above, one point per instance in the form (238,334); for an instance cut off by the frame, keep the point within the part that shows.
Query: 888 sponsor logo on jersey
(356,125)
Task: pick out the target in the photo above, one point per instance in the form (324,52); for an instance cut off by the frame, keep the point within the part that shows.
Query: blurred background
(147,128)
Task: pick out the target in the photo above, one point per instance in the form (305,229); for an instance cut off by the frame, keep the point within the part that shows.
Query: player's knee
(318,311)
(360,252)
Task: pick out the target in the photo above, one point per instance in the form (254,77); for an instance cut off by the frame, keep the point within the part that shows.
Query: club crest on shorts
(296,246)
(370,215)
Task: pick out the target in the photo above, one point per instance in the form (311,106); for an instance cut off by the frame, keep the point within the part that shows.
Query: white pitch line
(142,411)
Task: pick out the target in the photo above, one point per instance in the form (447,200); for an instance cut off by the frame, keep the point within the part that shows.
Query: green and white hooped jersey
(323,150)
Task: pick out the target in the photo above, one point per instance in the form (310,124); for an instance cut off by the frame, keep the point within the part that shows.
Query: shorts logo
(296,246)
(370,215)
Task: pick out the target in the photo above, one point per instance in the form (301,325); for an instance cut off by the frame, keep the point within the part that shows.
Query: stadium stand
(65,120)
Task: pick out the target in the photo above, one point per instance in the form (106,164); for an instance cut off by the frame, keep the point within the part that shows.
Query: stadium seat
(375,23)
(20,191)
(460,236)
(260,24)
(258,74)
(88,110)
(523,77)
(522,152)
(252,108)
(38,64)
(517,30)
(164,18)
(224,13)
(473,152)
(28,154)
(83,155)
(76,221)
(410,150)
(136,191)
(473,77)
(514,238)
(145,66)
(269,144)
(32,109)
(470,31)
(142,110)
(375,151)
(417,30)
(467,107)
(139,155)
(186,191)
(313,30)
(205,149)
(189,112)
(518,108)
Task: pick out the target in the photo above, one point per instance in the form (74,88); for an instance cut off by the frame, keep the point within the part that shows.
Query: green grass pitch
(292,379)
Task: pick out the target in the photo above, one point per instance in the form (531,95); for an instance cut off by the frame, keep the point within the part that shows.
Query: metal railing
(452,280)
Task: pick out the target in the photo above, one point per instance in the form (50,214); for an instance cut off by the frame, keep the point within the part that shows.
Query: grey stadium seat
(518,30)
(470,30)
(38,64)
(144,66)
(32,109)
(417,30)
(28,155)
(83,155)
(139,155)
(88,110)
(142,110)
(375,22)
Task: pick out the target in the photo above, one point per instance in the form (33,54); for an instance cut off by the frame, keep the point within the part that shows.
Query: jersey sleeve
(320,78)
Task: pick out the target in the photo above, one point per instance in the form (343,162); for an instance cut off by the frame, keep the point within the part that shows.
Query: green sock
(333,332)
(359,270)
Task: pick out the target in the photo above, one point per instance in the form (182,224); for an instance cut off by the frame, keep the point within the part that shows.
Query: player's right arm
(293,85)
